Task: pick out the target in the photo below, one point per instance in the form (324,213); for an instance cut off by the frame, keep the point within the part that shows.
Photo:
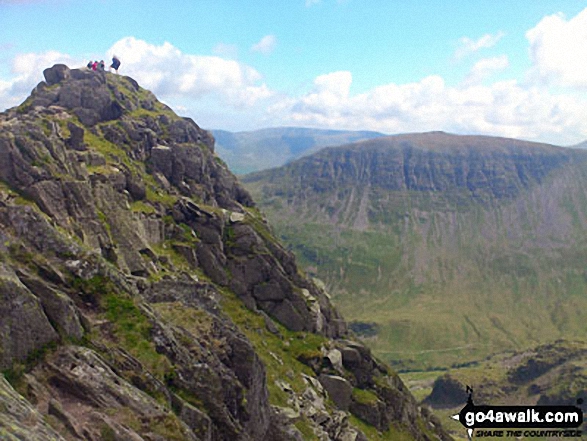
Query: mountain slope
(441,248)
(246,152)
(143,297)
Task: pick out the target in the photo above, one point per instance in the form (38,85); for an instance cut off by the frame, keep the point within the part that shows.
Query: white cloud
(558,49)
(266,45)
(503,108)
(485,67)
(163,69)
(226,50)
(27,70)
(167,71)
(468,46)
(311,3)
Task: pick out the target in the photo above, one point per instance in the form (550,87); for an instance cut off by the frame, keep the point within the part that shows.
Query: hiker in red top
(95,65)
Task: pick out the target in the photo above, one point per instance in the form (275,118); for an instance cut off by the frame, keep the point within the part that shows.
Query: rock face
(144,297)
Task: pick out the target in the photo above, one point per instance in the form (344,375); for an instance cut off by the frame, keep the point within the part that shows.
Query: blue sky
(496,67)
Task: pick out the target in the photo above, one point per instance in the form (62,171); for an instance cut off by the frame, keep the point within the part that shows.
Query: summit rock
(145,297)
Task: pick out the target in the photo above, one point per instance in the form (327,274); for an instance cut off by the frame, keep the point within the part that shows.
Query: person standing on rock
(102,66)
(115,63)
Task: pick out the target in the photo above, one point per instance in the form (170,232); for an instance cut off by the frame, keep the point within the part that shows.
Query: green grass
(142,207)
(364,396)
(132,330)
(279,354)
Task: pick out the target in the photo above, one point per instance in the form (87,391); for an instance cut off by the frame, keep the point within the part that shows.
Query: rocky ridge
(144,297)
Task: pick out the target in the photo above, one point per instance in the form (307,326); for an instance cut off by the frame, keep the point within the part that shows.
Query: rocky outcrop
(447,392)
(144,297)
(19,419)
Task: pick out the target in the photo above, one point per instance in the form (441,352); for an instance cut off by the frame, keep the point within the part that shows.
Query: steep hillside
(441,249)
(246,152)
(143,297)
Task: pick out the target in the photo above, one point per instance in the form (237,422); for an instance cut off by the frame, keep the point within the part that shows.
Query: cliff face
(143,296)
(434,243)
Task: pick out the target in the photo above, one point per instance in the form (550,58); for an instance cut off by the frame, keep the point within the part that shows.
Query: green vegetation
(142,207)
(132,330)
(364,396)
(374,435)
(279,353)
(15,375)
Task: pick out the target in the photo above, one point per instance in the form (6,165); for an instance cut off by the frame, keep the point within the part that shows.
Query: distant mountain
(581,145)
(441,248)
(246,152)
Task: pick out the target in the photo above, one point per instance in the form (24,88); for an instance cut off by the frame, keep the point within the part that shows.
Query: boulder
(339,390)
(76,138)
(335,358)
(56,74)
(447,392)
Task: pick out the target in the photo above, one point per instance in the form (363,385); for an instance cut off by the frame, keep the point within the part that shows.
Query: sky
(492,67)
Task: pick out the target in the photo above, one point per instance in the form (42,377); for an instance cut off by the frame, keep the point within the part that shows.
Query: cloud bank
(167,71)
(558,50)
(546,103)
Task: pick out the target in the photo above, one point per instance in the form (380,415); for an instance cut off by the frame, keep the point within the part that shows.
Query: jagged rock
(447,392)
(76,139)
(197,420)
(287,314)
(236,217)
(358,360)
(56,74)
(372,413)
(20,420)
(338,389)
(335,358)
(58,307)
(135,187)
(24,327)
(89,383)
(103,227)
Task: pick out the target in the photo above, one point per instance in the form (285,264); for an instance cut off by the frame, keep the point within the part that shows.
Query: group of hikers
(101,66)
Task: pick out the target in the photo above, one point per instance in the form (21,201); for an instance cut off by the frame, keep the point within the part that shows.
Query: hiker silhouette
(115,63)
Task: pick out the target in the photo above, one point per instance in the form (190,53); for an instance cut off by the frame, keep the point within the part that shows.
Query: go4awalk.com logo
(520,421)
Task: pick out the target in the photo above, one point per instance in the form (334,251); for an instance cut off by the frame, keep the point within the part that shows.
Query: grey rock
(339,389)
(56,74)
(76,139)
(58,307)
(197,420)
(335,358)
(24,327)
(19,420)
